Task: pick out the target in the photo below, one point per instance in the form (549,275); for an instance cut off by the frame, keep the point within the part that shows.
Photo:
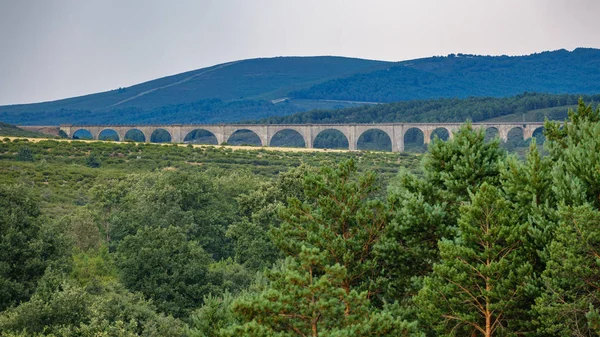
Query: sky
(52,49)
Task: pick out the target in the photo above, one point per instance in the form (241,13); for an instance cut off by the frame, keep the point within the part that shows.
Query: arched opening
(414,140)
(331,139)
(244,137)
(108,134)
(160,136)
(82,134)
(201,136)
(515,139)
(287,138)
(491,134)
(374,140)
(134,135)
(441,134)
(539,136)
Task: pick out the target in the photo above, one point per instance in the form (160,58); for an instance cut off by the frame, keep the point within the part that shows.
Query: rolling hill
(274,87)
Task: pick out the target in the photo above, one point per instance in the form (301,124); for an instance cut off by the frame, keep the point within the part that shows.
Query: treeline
(464,76)
(478,244)
(475,109)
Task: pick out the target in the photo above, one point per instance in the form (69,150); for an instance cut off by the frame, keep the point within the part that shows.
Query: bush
(93,161)
(24,154)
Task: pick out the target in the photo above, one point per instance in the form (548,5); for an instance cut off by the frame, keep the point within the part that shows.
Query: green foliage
(570,302)
(93,161)
(68,310)
(572,275)
(309,297)
(13,131)
(575,147)
(426,208)
(28,245)
(24,154)
(479,286)
(260,212)
(214,315)
(191,201)
(339,216)
(256,243)
(165,267)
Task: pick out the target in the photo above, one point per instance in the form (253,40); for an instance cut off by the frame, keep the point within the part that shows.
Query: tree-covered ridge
(463,76)
(532,106)
(477,243)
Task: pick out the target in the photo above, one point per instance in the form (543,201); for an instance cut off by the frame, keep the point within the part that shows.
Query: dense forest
(125,239)
(261,88)
(523,107)
(466,75)
(530,107)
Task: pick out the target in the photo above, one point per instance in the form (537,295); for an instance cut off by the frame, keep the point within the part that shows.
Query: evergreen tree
(340,216)
(307,297)
(569,306)
(426,209)
(479,286)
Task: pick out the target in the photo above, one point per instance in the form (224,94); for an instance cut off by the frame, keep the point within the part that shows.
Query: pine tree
(340,216)
(569,304)
(426,209)
(479,286)
(330,274)
(569,307)
(307,297)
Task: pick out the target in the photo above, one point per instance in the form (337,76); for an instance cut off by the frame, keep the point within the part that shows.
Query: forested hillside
(260,88)
(126,239)
(468,75)
(530,107)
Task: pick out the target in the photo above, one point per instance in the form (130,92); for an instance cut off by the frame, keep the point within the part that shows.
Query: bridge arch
(414,140)
(161,135)
(516,133)
(244,136)
(331,138)
(287,137)
(374,139)
(538,134)
(491,133)
(109,134)
(135,135)
(82,133)
(201,136)
(443,133)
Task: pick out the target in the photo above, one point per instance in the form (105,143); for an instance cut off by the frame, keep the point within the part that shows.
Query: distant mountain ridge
(247,89)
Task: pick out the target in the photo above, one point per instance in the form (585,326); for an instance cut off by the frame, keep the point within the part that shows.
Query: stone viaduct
(309,132)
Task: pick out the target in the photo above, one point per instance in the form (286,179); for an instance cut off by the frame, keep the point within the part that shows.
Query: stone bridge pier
(309,132)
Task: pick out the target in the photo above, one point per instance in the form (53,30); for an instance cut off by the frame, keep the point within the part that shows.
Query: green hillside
(530,107)
(274,87)
(8,130)
(265,78)
(468,75)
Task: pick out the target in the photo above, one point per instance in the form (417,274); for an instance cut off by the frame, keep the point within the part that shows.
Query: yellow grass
(232,147)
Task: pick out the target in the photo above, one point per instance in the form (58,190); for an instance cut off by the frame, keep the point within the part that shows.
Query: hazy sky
(52,49)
